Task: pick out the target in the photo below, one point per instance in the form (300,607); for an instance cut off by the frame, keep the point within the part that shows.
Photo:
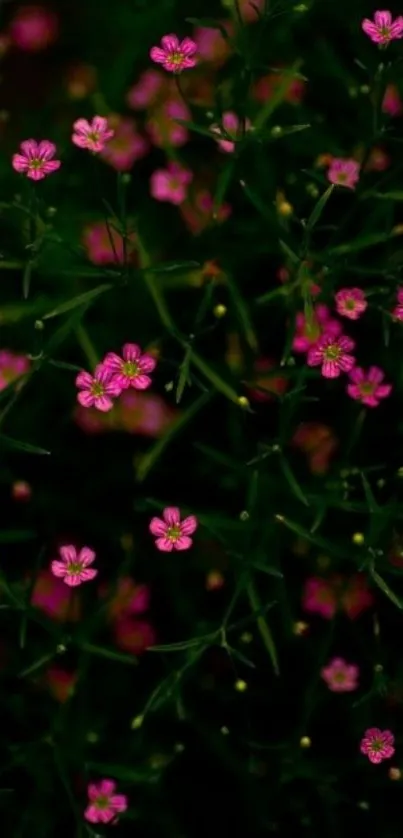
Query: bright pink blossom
(383,28)
(366,386)
(171,532)
(332,354)
(350,302)
(144,93)
(97,390)
(131,369)
(163,128)
(35,161)
(398,310)
(127,145)
(392,103)
(175,55)
(12,367)
(377,744)
(340,677)
(92,135)
(308,330)
(232,125)
(344,172)
(170,184)
(33,28)
(74,567)
(104,805)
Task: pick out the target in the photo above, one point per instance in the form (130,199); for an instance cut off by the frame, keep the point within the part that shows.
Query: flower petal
(46,150)
(68,553)
(112,362)
(164,544)
(58,569)
(29,148)
(103,403)
(20,163)
(189,525)
(147,363)
(84,380)
(131,352)
(141,382)
(172,516)
(158,55)
(170,43)
(86,556)
(188,47)
(157,526)
(106,787)
(183,543)
(85,398)
(383,19)
(87,574)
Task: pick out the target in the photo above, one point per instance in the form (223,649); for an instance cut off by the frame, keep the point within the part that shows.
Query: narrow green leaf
(26,279)
(215,379)
(121,772)
(184,377)
(288,252)
(198,129)
(386,196)
(173,267)
(318,208)
(360,243)
(18,445)
(274,101)
(372,504)
(75,302)
(184,644)
(11,536)
(243,313)
(386,590)
(292,481)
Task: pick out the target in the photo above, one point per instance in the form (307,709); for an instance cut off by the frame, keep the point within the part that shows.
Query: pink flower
(12,367)
(332,353)
(198,212)
(344,172)
(366,387)
(170,184)
(378,160)
(97,390)
(383,29)
(377,744)
(340,677)
(21,490)
(211,46)
(74,566)
(131,369)
(92,135)
(175,55)
(232,125)
(173,534)
(264,382)
(318,442)
(144,93)
(36,159)
(60,683)
(392,103)
(319,597)
(52,597)
(308,330)
(128,598)
(266,87)
(146,414)
(398,310)
(133,636)
(33,28)
(98,241)
(163,128)
(127,146)
(327,596)
(104,805)
(350,302)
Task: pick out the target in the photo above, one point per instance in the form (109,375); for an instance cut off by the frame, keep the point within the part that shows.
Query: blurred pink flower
(54,598)
(197,212)
(340,677)
(21,490)
(377,744)
(81,80)
(392,103)
(104,805)
(134,636)
(367,387)
(60,683)
(326,596)
(146,414)
(170,184)
(232,125)
(163,128)
(318,442)
(127,145)
(171,532)
(74,567)
(97,390)
(344,172)
(211,45)
(308,330)
(175,55)
(332,354)
(36,159)
(92,135)
(397,311)
(264,383)
(12,367)
(383,28)
(266,87)
(144,93)
(130,370)
(250,9)
(350,302)
(128,598)
(378,160)
(98,241)
(33,28)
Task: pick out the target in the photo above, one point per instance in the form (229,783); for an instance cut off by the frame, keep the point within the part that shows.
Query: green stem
(263,627)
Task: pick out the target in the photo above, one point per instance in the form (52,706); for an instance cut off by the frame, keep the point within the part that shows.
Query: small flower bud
(39,325)
(300,628)
(126,178)
(225,731)
(305,742)
(137,722)
(395,773)
(285,209)
(246,637)
(240,686)
(219,311)
(244,515)
(358,538)
(61,649)
(92,737)
(276,131)
(243,402)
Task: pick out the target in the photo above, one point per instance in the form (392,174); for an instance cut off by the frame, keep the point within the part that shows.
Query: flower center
(74,567)
(339,677)
(385,31)
(102,801)
(97,389)
(36,163)
(173,533)
(350,304)
(130,368)
(176,58)
(376,745)
(312,330)
(342,177)
(93,136)
(367,388)
(332,352)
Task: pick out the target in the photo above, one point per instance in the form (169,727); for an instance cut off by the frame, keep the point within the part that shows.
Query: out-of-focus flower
(54,598)
(318,442)
(171,532)
(377,745)
(12,367)
(92,135)
(35,160)
(127,145)
(350,302)
(332,354)
(392,103)
(232,125)
(137,412)
(340,677)
(162,127)
(344,172)
(265,385)
(326,596)
(309,329)
(249,9)
(60,683)
(104,244)
(197,211)
(81,80)
(33,28)
(170,184)
(397,311)
(130,370)
(128,598)
(383,28)
(134,636)
(97,390)
(104,805)
(175,55)
(378,160)
(21,490)
(145,92)
(74,566)
(214,580)
(267,86)
(212,47)
(366,386)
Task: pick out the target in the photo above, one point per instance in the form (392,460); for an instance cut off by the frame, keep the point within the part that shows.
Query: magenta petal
(58,569)
(147,363)
(87,574)
(29,148)
(346,363)
(119,802)
(131,352)
(314,357)
(383,19)
(82,126)
(20,163)
(158,55)
(86,398)
(157,526)
(51,166)
(188,47)
(36,174)
(189,525)
(84,380)
(68,553)
(106,787)
(112,362)
(172,516)
(91,814)
(103,403)
(46,150)
(164,544)
(357,375)
(102,373)
(383,390)
(330,369)
(93,791)
(183,543)
(99,124)
(86,556)
(80,140)
(170,43)
(141,382)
